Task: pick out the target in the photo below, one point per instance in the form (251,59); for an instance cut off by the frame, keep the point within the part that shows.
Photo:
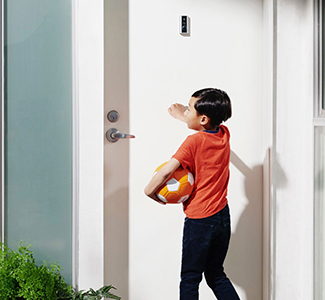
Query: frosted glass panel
(38,128)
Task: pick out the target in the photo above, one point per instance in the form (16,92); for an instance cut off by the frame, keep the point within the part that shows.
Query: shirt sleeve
(185,153)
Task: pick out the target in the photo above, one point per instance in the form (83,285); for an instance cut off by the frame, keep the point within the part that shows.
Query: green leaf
(21,278)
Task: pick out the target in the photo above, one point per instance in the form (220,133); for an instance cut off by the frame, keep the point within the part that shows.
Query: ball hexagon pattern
(178,187)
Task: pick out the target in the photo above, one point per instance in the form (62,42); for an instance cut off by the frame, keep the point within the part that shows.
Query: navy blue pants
(205,245)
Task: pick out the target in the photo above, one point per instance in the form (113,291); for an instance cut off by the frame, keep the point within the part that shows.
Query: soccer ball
(178,187)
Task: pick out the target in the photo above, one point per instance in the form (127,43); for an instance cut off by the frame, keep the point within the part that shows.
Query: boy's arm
(160,178)
(177,111)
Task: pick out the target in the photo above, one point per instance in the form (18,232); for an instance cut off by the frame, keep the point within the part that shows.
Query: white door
(148,66)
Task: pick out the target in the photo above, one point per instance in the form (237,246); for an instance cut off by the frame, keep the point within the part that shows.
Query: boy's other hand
(160,202)
(177,110)
(154,197)
(160,178)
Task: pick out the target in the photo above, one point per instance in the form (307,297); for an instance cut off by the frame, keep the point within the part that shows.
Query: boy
(207,224)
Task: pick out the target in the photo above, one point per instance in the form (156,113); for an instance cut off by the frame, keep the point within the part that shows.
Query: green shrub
(21,278)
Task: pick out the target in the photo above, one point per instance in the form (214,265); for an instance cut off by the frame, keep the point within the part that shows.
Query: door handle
(113,135)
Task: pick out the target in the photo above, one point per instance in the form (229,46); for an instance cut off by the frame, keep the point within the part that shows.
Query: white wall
(293,151)
(224,51)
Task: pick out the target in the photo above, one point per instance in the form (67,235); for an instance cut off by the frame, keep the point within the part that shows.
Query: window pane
(38,128)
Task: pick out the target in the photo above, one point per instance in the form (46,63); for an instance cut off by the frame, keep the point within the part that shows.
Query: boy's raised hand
(177,110)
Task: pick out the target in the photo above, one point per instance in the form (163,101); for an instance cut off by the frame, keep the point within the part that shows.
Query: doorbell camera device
(184,25)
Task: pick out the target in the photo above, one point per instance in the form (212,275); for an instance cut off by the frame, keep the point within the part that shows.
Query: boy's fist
(177,110)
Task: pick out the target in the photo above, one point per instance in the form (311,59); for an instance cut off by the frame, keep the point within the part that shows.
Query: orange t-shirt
(206,155)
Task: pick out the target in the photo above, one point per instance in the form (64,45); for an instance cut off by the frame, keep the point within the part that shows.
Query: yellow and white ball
(178,187)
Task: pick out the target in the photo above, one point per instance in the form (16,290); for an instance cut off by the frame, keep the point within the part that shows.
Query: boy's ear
(204,120)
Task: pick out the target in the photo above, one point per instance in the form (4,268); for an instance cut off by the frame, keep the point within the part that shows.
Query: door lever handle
(113,135)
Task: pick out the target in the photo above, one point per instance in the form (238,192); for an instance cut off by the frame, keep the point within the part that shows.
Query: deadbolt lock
(113,116)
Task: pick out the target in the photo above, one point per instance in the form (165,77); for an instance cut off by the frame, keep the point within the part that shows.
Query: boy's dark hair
(213,103)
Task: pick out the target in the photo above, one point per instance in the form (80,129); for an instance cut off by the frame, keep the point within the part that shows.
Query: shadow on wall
(244,259)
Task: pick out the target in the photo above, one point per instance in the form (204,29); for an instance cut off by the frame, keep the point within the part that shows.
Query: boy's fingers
(161,202)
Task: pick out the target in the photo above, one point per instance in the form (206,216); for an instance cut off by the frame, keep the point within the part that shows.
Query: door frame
(89,83)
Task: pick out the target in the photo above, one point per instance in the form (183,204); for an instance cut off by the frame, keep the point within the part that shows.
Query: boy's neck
(210,128)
